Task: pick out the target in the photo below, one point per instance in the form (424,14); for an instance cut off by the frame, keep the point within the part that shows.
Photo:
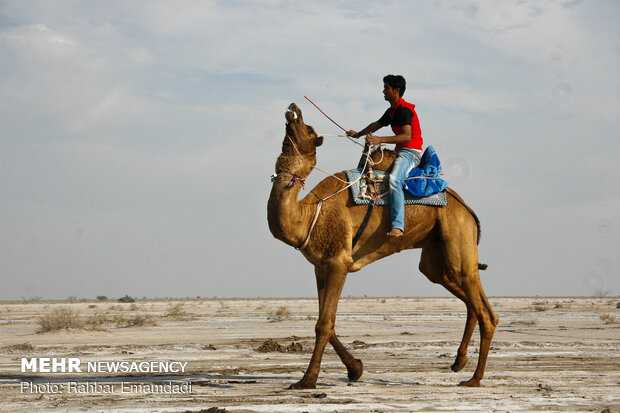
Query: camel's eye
(310,130)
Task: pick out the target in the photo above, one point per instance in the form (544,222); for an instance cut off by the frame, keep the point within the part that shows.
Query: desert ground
(548,354)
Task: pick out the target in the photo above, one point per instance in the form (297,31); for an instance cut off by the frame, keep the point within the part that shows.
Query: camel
(448,237)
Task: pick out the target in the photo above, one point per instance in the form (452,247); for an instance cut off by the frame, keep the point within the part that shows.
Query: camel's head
(304,136)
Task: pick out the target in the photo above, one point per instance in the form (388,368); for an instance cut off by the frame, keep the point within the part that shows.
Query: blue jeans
(406,160)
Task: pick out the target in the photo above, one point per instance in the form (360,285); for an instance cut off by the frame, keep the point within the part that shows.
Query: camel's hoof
(354,373)
(470,383)
(459,363)
(301,385)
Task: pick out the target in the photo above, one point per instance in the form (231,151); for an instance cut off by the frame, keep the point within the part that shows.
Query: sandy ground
(549,354)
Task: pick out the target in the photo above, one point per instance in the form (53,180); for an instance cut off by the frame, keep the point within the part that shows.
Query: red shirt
(404,114)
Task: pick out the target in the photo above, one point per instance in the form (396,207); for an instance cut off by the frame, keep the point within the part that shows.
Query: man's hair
(396,82)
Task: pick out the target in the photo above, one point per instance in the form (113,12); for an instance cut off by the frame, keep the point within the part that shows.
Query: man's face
(389,93)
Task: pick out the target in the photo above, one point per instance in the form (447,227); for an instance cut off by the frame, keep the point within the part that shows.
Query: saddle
(423,185)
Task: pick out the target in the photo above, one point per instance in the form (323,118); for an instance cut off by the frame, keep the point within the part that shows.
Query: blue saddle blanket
(423,185)
(424,180)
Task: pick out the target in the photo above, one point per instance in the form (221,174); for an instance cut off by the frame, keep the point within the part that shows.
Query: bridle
(296,178)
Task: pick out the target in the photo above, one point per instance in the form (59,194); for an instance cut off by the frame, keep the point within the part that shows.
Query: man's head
(396,82)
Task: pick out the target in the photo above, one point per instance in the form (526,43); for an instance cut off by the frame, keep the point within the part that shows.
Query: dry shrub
(26,347)
(524,322)
(127,299)
(101,322)
(97,322)
(138,320)
(600,293)
(176,312)
(62,318)
(608,318)
(280,315)
(540,307)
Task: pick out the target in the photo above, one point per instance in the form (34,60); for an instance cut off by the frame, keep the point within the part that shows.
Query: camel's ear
(319,141)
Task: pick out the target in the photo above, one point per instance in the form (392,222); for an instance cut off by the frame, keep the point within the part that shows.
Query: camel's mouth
(291,113)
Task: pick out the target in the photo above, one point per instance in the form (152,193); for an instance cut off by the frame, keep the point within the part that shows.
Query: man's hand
(372,140)
(353,134)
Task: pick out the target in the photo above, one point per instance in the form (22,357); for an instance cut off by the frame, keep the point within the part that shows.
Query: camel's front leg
(332,278)
(354,366)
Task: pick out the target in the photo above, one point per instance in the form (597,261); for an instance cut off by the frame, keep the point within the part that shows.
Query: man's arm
(403,137)
(373,127)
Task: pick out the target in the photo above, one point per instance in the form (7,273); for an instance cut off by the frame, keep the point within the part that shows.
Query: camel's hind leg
(456,269)
(432,264)
(470,325)
(486,319)
(461,256)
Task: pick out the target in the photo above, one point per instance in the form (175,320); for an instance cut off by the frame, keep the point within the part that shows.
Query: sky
(137,139)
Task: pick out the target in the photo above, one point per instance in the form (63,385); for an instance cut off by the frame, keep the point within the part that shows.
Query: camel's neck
(289,219)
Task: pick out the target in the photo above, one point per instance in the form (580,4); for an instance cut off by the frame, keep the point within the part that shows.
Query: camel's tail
(473,214)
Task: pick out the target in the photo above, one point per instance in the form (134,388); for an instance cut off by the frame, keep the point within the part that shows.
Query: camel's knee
(324,328)
(487,325)
(491,323)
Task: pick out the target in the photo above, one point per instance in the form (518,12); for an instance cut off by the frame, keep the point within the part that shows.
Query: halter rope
(321,200)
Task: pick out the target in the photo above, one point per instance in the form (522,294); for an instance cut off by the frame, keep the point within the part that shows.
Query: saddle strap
(362,227)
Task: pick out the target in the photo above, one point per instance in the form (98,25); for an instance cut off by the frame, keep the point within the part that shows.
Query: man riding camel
(403,119)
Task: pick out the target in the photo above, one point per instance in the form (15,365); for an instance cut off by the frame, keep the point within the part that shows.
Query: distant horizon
(114,299)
